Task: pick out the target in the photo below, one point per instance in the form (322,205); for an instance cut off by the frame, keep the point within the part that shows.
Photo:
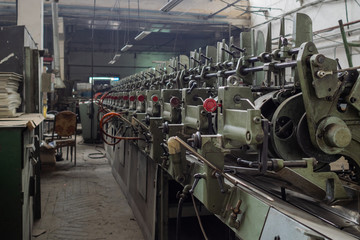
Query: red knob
(132,98)
(175,102)
(210,105)
(155,98)
(126,97)
(141,98)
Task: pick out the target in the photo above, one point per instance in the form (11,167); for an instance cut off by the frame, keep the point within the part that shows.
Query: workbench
(19,175)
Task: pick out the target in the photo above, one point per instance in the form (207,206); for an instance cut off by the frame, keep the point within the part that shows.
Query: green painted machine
(263,139)
(89,124)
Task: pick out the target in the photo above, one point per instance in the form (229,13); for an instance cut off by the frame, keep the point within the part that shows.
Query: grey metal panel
(136,187)
(142,174)
(279,225)
(120,165)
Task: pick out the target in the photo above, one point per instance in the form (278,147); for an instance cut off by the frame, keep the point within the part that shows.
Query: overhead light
(142,35)
(115,58)
(159,62)
(126,47)
(170,5)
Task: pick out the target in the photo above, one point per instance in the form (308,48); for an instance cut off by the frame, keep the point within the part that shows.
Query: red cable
(105,119)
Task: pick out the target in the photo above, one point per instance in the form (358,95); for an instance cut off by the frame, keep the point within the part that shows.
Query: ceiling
(115,22)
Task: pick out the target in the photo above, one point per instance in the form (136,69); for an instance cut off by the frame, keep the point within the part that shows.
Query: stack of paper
(10,99)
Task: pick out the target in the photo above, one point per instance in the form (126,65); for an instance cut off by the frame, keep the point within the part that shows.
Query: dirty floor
(84,202)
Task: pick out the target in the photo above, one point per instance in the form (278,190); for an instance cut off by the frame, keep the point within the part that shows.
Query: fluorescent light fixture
(159,62)
(115,58)
(170,5)
(126,47)
(142,35)
(103,78)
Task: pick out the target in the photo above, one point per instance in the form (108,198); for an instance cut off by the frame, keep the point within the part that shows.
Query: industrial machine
(264,139)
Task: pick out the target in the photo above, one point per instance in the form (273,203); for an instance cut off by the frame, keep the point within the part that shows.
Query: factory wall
(150,8)
(79,64)
(324,14)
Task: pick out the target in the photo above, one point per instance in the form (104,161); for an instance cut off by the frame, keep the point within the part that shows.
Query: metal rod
(229,5)
(346,45)
(335,27)
(233,180)
(188,147)
(311,4)
(17,11)
(92,76)
(55,22)
(141,124)
(252,69)
(347,69)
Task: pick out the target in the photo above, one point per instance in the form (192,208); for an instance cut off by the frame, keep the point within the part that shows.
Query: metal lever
(229,52)
(197,177)
(149,74)
(183,65)
(220,179)
(166,151)
(231,171)
(210,123)
(173,68)
(322,73)
(284,41)
(237,48)
(338,63)
(160,71)
(192,85)
(207,58)
(195,60)
(263,156)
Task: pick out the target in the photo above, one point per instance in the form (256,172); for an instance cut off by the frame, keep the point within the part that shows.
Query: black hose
(178,218)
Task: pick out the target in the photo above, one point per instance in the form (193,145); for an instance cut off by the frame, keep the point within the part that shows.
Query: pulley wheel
(284,128)
(303,138)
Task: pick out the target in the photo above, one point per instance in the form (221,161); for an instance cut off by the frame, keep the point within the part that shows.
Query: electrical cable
(178,218)
(105,119)
(326,38)
(198,217)
(97,155)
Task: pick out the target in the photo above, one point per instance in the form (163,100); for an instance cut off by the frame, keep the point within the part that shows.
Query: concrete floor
(84,202)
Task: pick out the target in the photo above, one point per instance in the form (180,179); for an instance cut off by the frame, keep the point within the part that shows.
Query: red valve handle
(210,105)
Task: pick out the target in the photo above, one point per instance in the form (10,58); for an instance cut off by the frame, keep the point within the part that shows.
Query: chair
(49,124)
(64,128)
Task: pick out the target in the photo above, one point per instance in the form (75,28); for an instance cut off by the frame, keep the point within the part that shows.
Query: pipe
(248,70)
(92,76)
(335,27)
(227,6)
(55,19)
(54,11)
(346,45)
(294,11)
(17,11)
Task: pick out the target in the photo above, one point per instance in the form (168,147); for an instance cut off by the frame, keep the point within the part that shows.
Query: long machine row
(256,135)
